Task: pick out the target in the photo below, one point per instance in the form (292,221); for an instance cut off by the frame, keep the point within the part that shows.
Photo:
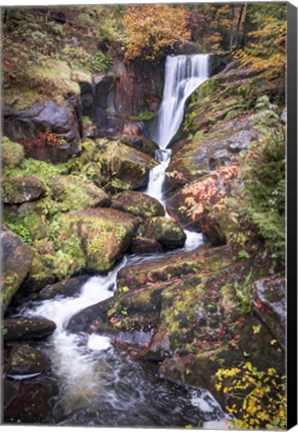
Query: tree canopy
(153,28)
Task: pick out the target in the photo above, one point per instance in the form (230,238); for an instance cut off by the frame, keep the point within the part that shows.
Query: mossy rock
(12,153)
(165,231)
(26,360)
(22,189)
(138,204)
(104,234)
(16,261)
(174,266)
(112,165)
(76,194)
(21,329)
(57,76)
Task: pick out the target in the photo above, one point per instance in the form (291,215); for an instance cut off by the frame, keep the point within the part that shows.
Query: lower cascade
(100,385)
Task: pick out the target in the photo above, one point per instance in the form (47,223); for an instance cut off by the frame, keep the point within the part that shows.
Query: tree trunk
(235,42)
(232,27)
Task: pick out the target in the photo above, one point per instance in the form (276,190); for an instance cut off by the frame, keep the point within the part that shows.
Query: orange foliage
(210,193)
(152,28)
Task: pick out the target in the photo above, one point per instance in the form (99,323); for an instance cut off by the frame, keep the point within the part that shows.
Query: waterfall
(183,74)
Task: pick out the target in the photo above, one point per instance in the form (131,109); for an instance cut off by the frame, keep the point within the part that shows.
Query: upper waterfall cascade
(183,74)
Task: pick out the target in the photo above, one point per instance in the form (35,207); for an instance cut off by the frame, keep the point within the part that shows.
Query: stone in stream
(164,230)
(66,288)
(143,245)
(17,329)
(16,261)
(22,189)
(31,401)
(138,204)
(25,360)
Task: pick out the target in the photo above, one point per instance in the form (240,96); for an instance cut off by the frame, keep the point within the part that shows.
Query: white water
(183,74)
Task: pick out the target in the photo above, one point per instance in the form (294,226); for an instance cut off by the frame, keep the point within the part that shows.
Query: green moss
(12,153)
(32,167)
(56,75)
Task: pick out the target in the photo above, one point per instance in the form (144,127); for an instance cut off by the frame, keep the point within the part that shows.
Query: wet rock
(91,318)
(12,153)
(138,204)
(268,296)
(104,234)
(25,360)
(219,158)
(17,329)
(62,120)
(32,403)
(171,267)
(140,143)
(143,245)
(22,189)
(165,231)
(76,194)
(191,162)
(16,261)
(65,288)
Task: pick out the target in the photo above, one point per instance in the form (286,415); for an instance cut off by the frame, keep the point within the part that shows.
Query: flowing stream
(98,384)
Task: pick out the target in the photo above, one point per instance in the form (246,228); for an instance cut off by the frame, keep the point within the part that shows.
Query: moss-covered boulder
(174,266)
(26,360)
(138,204)
(16,260)
(21,329)
(113,165)
(12,153)
(165,231)
(22,189)
(104,235)
(76,194)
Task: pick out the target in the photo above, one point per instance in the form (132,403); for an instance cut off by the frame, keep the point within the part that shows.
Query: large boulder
(137,203)
(77,194)
(27,127)
(112,165)
(19,329)
(104,234)
(16,260)
(22,189)
(36,397)
(165,231)
(26,360)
